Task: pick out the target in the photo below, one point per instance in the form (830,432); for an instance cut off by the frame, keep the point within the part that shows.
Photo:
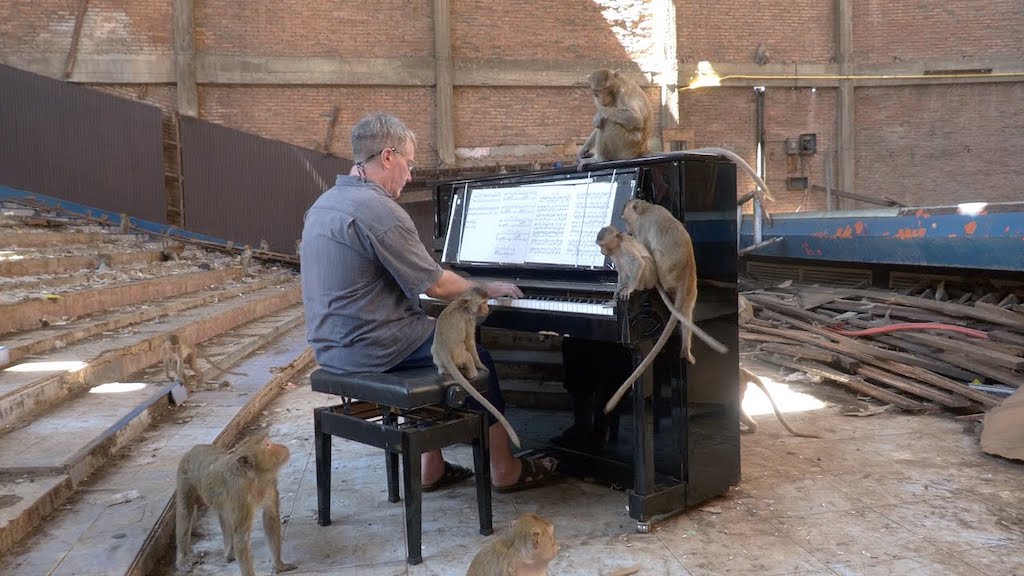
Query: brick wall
(913,143)
(731,30)
(300,114)
(936,145)
(377,29)
(885,31)
(525,29)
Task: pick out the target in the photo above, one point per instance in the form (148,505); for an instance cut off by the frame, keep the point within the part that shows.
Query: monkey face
(545,544)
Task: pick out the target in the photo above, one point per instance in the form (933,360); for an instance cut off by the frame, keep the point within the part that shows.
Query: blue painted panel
(937,236)
(7,193)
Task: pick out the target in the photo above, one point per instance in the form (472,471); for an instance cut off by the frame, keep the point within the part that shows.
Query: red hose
(912,326)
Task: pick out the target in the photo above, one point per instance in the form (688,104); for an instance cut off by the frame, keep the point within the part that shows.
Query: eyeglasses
(408,161)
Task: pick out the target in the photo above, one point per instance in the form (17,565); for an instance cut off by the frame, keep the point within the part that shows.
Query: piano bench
(409,412)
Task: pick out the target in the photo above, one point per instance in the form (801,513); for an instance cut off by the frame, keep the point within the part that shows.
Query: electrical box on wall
(796,183)
(808,144)
(792,146)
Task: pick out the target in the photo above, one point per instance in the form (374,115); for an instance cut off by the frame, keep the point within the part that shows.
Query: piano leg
(593,371)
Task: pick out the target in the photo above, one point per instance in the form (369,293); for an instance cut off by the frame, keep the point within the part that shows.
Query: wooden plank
(778,306)
(993,314)
(800,352)
(979,353)
(855,382)
(1007,336)
(884,310)
(907,385)
(1008,377)
(754,337)
(986,400)
(864,352)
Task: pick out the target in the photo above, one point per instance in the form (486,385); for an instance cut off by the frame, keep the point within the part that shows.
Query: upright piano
(674,440)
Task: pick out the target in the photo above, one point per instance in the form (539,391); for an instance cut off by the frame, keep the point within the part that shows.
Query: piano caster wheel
(643,527)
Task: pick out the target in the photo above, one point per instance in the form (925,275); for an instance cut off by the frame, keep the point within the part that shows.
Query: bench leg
(482,469)
(391,461)
(413,481)
(322,449)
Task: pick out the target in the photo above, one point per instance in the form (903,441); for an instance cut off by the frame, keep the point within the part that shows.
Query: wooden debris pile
(919,350)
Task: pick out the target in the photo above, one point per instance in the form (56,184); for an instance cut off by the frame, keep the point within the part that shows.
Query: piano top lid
(595,167)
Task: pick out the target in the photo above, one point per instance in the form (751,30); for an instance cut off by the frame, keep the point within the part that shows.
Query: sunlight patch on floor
(787,399)
(117,387)
(53,366)
(9,255)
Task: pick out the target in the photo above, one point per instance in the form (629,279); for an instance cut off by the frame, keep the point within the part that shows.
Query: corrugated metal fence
(84,146)
(80,145)
(245,188)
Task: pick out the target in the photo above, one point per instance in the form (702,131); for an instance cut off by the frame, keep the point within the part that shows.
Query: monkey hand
(502,290)
(599,118)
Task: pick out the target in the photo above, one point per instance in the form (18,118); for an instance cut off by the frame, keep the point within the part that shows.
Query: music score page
(550,223)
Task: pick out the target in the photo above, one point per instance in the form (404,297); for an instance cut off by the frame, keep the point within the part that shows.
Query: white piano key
(550,305)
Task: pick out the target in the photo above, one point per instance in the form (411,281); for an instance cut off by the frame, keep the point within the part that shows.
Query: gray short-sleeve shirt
(363,269)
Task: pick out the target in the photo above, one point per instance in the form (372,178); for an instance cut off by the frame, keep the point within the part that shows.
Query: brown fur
(632,261)
(178,354)
(454,347)
(525,549)
(234,484)
(246,258)
(672,251)
(622,123)
(748,376)
(171,250)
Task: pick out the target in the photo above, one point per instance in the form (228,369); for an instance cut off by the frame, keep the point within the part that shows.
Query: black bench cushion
(405,389)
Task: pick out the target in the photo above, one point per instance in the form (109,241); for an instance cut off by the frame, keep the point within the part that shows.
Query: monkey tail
(743,164)
(452,369)
(647,361)
(714,344)
(750,376)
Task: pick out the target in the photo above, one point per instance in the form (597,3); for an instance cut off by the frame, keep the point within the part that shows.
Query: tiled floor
(893,494)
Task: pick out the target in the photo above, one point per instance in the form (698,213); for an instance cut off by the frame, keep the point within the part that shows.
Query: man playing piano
(363,269)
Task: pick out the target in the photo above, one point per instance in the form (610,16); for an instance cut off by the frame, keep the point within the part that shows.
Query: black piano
(673,441)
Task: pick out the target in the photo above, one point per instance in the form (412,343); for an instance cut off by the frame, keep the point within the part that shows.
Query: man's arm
(451,285)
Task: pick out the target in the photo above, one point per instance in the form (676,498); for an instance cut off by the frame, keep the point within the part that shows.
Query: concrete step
(37,383)
(31,314)
(46,338)
(14,239)
(95,534)
(38,264)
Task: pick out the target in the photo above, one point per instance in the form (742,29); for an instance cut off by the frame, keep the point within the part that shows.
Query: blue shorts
(421,358)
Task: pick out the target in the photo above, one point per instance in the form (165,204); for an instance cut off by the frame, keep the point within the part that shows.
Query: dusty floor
(892,494)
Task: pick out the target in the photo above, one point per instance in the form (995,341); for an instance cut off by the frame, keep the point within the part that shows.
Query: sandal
(533,475)
(453,474)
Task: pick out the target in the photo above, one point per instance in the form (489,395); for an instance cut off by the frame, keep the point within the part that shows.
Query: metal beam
(184,58)
(327,71)
(76,35)
(443,89)
(845,128)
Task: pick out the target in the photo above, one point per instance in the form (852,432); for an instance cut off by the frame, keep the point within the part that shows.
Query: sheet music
(549,223)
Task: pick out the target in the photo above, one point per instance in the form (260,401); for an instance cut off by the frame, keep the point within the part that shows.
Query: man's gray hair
(376,132)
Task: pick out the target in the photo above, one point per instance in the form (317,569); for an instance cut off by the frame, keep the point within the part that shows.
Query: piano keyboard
(563,306)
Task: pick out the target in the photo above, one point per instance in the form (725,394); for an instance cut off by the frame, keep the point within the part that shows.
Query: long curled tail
(665,335)
(452,369)
(714,344)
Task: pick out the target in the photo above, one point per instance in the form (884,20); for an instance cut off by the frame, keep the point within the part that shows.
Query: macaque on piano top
(454,347)
(622,123)
(632,261)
